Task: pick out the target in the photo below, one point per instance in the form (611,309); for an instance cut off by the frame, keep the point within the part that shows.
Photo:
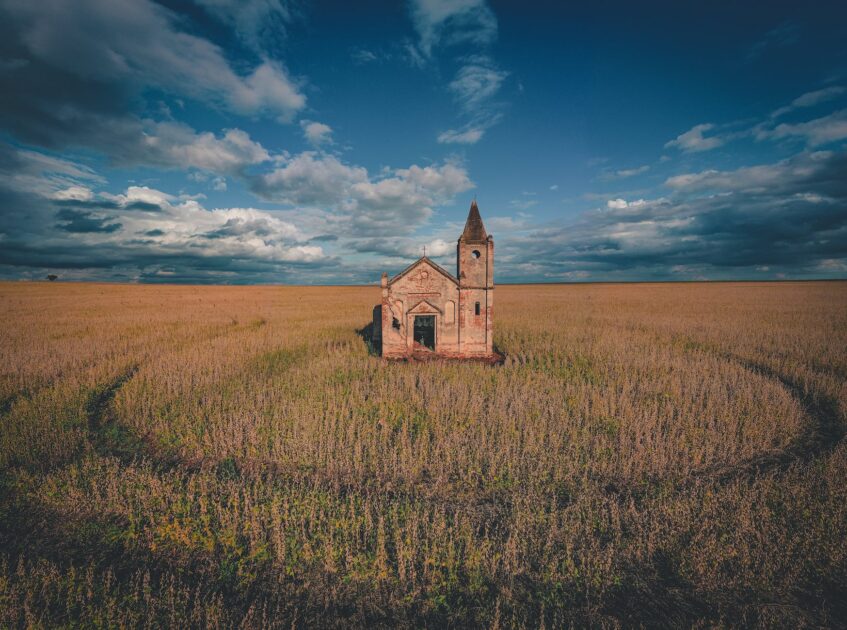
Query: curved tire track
(101,418)
(822,433)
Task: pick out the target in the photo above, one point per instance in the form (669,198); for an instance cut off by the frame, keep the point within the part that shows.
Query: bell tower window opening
(475,253)
(476,309)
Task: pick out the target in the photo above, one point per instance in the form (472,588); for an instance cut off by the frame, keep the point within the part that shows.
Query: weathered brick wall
(476,284)
(426,288)
(461,328)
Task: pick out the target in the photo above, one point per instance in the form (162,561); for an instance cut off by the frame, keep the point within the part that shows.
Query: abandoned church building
(426,311)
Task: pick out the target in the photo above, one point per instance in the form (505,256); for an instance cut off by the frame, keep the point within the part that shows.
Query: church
(428,312)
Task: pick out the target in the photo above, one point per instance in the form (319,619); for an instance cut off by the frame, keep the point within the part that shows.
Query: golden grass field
(656,454)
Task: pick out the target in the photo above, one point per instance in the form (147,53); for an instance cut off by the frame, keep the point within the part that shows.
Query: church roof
(420,260)
(474,229)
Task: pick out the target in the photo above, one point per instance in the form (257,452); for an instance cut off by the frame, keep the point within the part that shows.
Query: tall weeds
(648,454)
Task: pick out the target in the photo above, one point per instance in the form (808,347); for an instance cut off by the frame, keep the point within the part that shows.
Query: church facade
(426,311)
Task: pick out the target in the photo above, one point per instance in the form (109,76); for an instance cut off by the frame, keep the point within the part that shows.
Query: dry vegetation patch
(647,454)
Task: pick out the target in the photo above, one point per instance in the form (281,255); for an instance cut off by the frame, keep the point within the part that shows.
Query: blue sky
(279,141)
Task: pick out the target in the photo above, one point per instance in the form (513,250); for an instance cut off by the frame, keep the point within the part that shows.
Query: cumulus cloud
(621,204)
(73,193)
(316,133)
(693,140)
(404,200)
(309,178)
(395,202)
(176,145)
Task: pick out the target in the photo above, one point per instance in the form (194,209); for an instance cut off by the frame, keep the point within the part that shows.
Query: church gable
(423,275)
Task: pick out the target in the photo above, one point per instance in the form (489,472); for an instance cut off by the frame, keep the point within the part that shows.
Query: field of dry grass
(648,454)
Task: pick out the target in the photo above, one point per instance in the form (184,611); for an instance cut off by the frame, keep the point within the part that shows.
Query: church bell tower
(475,271)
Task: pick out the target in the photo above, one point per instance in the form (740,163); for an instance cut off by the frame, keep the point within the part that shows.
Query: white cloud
(693,140)
(810,99)
(181,226)
(439,247)
(73,193)
(404,200)
(44,175)
(309,179)
(757,178)
(815,132)
(774,217)
(468,136)
(258,23)
(689,179)
(516,222)
(621,204)
(316,133)
(833,265)
(476,82)
(396,202)
(139,42)
(554,187)
(441,23)
(362,56)
(608,175)
(177,145)
(631,172)
(451,22)
(144,194)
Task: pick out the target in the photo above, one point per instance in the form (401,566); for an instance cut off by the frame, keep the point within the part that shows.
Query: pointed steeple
(474,229)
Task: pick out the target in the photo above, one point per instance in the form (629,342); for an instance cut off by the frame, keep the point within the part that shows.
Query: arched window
(475,253)
(449,312)
(476,309)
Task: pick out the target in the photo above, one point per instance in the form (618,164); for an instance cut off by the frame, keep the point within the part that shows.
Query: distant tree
(52,276)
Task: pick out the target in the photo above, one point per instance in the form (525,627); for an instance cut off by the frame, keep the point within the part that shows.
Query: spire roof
(474,229)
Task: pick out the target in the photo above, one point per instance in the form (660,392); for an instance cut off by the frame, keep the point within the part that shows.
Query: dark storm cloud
(77,74)
(51,218)
(788,214)
(241,227)
(82,222)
